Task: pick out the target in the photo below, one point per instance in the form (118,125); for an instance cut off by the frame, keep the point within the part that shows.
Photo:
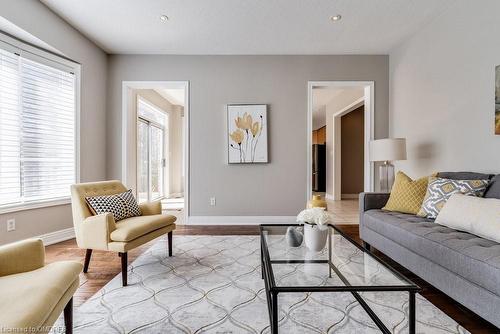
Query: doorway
(155,133)
(152,171)
(337,108)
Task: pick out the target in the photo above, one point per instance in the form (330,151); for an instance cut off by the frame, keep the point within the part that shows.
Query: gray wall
(277,188)
(36,19)
(442,91)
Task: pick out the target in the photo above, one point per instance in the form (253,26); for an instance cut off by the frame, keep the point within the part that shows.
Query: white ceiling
(248,26)
(323,96)
(173,95)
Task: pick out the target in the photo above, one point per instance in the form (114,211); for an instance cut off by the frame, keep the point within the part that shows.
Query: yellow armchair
(35,294)
(19,257)
(101,232)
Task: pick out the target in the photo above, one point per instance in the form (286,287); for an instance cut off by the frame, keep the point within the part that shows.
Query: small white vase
(315,236)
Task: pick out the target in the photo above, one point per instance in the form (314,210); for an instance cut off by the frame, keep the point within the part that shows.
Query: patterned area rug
(213,284)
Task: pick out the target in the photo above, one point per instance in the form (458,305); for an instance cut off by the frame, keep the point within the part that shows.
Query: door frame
(369,112)
(130,142)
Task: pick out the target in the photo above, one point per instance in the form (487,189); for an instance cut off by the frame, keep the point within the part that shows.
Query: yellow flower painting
(247,133)
(238,136)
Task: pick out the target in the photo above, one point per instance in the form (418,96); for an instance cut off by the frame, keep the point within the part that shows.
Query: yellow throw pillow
(407,195)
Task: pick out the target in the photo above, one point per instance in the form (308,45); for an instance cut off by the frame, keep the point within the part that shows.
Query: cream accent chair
(33,294)
(101,232)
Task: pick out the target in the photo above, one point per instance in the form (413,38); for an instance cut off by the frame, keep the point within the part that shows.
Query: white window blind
(37,131)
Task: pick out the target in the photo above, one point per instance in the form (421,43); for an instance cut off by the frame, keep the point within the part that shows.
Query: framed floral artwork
(247,133)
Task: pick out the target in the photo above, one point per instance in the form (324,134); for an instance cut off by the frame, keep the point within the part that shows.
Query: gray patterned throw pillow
(440,190)
(122,205)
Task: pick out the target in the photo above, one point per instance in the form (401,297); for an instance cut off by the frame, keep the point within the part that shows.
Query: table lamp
(387,150)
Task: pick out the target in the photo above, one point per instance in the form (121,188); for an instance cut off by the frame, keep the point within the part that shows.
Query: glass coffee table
(342,266)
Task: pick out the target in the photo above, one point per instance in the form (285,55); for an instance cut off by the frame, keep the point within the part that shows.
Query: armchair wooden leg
(88,254)
(68,316)
(170,243)
(124,267)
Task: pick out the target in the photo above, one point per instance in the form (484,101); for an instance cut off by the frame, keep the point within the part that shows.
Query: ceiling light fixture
(336,18)
(164,18)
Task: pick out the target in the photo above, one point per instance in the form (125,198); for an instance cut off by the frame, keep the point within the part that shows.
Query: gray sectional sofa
(464,266)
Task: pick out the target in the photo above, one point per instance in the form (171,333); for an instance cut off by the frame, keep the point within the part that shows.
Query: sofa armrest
(22,256)
(150,208)
(369,201)
(94,231)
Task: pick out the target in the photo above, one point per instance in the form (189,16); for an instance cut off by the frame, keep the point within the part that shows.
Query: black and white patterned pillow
(122,205)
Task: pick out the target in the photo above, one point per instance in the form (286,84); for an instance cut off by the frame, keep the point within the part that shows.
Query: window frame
(26,50)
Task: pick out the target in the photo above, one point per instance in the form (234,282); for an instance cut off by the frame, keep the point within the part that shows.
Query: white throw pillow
(476,215)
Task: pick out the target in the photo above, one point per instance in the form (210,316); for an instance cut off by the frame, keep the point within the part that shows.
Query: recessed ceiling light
(336,18)
(164,18)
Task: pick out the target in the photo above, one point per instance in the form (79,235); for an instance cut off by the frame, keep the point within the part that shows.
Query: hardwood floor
(345,211)
(106,265)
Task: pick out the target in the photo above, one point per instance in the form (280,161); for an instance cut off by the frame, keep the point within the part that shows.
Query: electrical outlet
(212,201)
(11,225)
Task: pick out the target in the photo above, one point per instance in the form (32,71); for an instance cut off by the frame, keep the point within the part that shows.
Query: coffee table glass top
(351,265)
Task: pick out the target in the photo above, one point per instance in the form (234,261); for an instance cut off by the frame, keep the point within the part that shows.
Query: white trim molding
(240,220)
(57,236)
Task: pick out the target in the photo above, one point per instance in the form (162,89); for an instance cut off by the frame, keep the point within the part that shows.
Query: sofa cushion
(33,295)
(476,215)
(474,258)
(134,227)
(407,195)
(464,176)
(493,190)
(440,190)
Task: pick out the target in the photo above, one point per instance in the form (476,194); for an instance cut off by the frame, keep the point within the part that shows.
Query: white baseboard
(329,197)
(349,196)
(239,220)
(57,236)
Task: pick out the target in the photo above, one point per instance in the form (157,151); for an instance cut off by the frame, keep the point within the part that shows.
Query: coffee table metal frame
(272,290)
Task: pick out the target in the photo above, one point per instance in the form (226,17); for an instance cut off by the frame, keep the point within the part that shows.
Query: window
(37,128)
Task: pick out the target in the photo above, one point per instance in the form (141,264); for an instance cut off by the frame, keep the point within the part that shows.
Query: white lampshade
(389,149)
